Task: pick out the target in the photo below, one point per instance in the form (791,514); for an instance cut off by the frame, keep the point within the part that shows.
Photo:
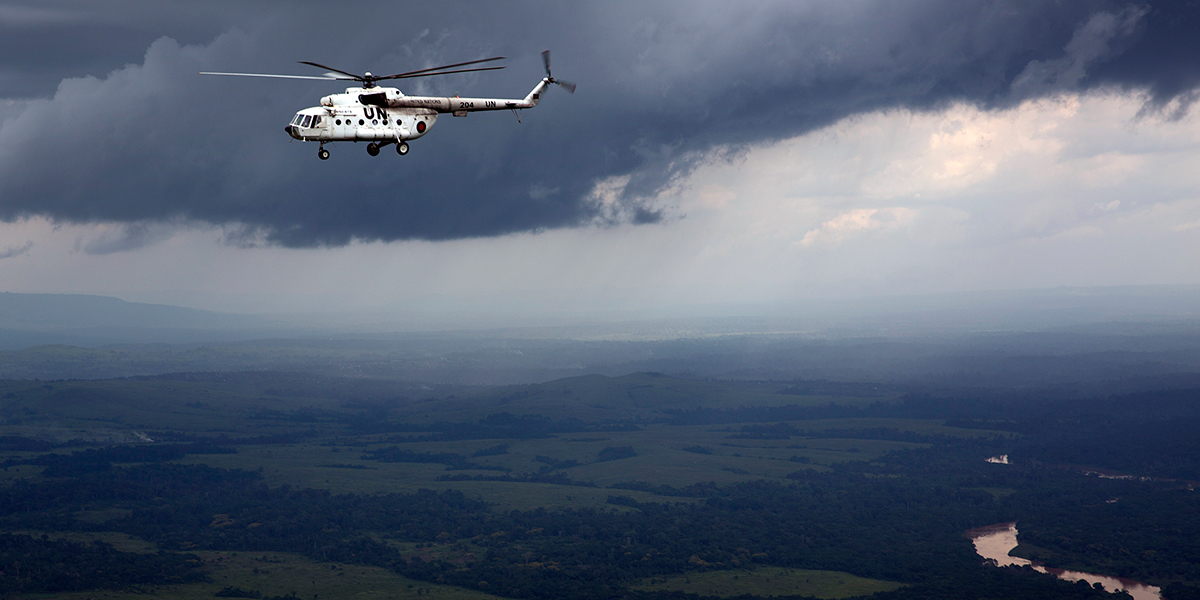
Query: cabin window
(337,122)
(360,121)
(307,121)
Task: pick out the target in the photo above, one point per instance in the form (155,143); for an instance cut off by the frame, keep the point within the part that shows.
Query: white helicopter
(384,115)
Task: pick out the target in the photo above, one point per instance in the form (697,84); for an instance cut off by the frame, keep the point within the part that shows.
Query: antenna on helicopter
(566,85)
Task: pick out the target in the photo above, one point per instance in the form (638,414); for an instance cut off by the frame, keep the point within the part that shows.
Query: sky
(715,154)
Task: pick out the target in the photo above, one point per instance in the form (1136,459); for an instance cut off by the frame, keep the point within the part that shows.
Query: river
(994,542)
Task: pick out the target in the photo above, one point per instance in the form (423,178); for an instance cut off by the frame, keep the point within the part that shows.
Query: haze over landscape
(821,299)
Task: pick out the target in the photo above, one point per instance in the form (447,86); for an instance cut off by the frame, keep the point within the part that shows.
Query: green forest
(282,485)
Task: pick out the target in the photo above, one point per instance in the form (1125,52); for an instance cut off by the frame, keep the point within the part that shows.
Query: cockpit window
(316,121)
(296,120)
(307,121)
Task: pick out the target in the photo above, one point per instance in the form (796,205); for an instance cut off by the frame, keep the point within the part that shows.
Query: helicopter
(384,115)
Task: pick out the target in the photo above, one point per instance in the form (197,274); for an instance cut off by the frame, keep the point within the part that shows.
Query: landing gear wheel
(323,154)
(373,149)
(402,148)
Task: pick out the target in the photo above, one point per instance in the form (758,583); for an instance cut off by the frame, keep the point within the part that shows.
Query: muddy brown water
(994,542)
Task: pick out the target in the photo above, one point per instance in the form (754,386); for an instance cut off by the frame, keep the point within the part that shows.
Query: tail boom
(460,106)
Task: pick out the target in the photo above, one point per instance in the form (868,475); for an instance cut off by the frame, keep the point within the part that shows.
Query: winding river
(994,542)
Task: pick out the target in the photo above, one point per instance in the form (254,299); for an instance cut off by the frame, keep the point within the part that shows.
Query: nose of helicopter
(291,130)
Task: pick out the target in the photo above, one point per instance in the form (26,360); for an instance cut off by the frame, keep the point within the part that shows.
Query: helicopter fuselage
(344,118)
(385,114)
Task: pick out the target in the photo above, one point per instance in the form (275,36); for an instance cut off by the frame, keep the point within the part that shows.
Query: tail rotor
(566,85)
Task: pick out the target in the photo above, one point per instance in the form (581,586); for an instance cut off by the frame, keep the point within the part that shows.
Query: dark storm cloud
(46,41)
(661,86)
(1165,60)
(128,236)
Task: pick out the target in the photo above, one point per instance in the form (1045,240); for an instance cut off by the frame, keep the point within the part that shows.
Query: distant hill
(83,320)
(1017,339)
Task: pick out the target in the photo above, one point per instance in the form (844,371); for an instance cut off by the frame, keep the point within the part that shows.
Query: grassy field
(118,540)
(280,574)
(630,397)
(661,458)
(242,406)
(270,573)
(770,581)
(121,411)
(117,411)
(330,454)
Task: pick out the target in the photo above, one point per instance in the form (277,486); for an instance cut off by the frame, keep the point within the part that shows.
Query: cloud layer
(1075,190)
(663,88)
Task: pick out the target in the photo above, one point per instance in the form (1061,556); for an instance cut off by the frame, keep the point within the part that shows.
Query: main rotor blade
(356,77)
(463,64)
(279,76)
(402,76)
